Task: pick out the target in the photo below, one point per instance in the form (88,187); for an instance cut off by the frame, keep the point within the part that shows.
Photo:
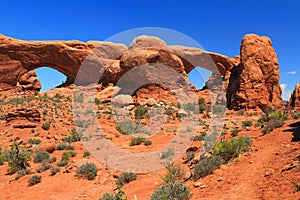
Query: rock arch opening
(50,78)
(198,76)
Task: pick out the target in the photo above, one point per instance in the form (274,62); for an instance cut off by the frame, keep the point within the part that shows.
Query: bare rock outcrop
(294,101)
(255,81)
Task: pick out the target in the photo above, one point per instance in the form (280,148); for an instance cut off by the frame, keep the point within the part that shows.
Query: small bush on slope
(228,150)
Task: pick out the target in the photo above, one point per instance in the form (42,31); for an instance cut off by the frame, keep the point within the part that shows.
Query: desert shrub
(278,116)
(17,158)
(126,127)
(87,170)
(202,105)
(296,115)
(174,190)
(41,156)
(2,159)
(63,146)
(22,173)
(54,170)
(175,172)
(126,177)
(141,112)
(33,180)
(198,137)
(75,136)
(210,141)
(167,154)
(67,155)
(190,155)
(218,109)
(189,107)
(34,140)
(62,163)
(246,123)
(136,141)
(234,132)
(53,159)
(206,166)
(228,150)
(46,126)
(43,167)
(86,153)
(119,196)
(272,125)
(147,142)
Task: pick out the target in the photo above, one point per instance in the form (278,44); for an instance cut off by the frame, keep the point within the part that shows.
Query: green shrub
(54,170)
(278,116)
(74,136)
(63,146)
(234,132)
(167,154)
(126,127)
(17,158)
(272,125)
(169,111)
(202,105)
(53,159)
(141,112)
(175,190)
(198,137)
(33,180)
(126,177)
(218,109)
(119,196)
(136,141)
(43,167)
(46,126)
(296,115)
(189,107)
(62,163)
(206,166)
(34,140)
(247,123)
(210,141)
(87,170)
(86,153)
(147,142)
(22,173)
(228,150)
(175,172)
(41,156)
(2,159)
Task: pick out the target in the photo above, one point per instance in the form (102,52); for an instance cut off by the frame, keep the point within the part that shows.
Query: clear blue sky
(217,25)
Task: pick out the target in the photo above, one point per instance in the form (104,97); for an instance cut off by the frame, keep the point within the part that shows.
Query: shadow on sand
(295,128)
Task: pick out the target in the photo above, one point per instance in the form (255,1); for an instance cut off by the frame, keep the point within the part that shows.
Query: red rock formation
(294,101)
(251,80)
(255,81)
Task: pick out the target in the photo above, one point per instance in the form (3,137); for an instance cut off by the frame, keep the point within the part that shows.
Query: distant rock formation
(249,80)
(294,101)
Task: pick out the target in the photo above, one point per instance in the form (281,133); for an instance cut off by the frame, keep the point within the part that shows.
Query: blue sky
(217,25)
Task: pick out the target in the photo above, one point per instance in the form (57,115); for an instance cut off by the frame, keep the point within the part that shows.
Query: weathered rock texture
(255,81)
(294,101)
(251,80)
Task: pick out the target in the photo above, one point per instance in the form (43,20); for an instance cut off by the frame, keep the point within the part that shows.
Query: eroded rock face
(255,81)
(294,101)
(249,80)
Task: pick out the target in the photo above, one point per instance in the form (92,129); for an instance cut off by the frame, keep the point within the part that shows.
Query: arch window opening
(198,76)
(49,78)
